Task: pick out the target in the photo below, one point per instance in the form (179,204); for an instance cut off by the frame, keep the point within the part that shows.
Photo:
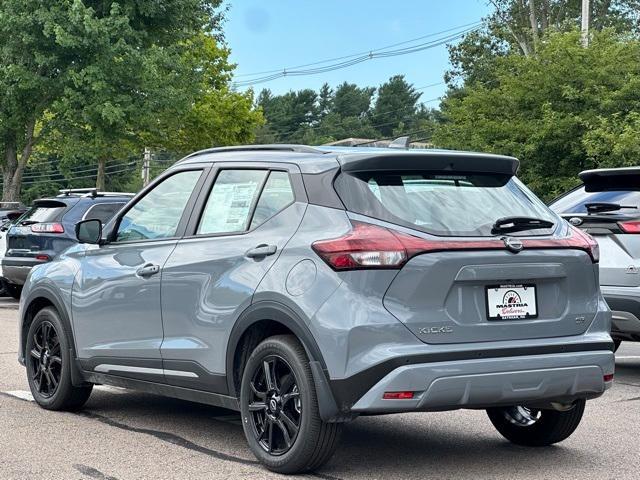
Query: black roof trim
(440,161)
(611,179)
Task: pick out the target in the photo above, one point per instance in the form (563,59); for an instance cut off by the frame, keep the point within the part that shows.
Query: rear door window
(442,204)
(103,211)
(231,201)
(575,201)
(277,194)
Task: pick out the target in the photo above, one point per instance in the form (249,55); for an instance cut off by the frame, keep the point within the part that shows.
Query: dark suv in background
(47,229)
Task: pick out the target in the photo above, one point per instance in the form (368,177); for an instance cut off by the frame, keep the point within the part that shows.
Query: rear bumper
(624,303)
(16,269)
(482,383)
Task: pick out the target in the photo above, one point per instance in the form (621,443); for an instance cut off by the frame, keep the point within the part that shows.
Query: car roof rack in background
(91,192)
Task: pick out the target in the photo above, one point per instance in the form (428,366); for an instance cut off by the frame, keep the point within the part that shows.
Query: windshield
(574,201)
(442,204)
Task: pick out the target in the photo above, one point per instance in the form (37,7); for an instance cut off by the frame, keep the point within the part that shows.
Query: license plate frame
(525,303)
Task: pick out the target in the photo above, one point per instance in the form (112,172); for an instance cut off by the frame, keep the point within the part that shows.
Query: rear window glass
(103,211)
(38,214)
(442,204)
(574,201)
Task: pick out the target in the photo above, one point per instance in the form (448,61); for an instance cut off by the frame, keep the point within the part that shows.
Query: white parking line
(21,394)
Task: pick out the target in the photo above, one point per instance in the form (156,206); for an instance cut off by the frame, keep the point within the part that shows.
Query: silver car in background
(607,206)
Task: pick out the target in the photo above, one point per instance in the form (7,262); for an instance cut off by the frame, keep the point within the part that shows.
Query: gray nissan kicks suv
(307,286)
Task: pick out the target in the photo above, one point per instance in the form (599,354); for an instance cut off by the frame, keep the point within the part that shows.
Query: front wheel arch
(42,298)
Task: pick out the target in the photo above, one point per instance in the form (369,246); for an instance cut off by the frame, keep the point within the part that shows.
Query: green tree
(104,74)
(517,27)
(562,110)
(350,100)
(396,103)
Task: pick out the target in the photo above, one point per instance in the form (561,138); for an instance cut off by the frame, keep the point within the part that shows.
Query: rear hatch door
(468,285)
(22,241)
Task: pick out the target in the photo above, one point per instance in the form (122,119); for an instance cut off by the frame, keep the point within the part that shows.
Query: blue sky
(283,33)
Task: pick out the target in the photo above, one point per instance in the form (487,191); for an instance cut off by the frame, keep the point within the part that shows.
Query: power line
(354,61)
(79,170)
(129,169)
(320,62)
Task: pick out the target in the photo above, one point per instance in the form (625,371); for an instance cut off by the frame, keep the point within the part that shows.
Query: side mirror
(89,231)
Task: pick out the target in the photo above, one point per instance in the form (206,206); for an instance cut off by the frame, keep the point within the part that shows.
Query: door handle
(262,251)
(148,270)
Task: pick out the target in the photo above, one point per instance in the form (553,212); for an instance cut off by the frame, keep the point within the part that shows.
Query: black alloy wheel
(275,406)
(49,361)
(46,359)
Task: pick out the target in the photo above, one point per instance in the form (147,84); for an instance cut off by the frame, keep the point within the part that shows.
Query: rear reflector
(369,246)
(608,377)
(630,227)
(47,228)
(43,258)
(397,395)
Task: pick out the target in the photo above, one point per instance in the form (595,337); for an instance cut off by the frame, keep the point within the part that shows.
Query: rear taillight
(577,240)
(630,227)
(366,246)
(47,228)
(369,246)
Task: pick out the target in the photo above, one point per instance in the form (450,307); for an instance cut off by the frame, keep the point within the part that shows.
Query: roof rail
(92,192)
(71,191)
(278,147)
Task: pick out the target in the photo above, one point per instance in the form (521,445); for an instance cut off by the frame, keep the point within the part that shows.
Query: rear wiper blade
(599,207)
(28,222)
(516,224)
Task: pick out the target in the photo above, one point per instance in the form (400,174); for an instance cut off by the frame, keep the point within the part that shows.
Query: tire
(48,359)
(549,427)
(13,290)
(3,288)
(616,344)
(295,397)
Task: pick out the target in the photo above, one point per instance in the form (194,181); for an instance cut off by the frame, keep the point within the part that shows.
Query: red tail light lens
(608,377)
(47,228)
(366,246)
(397,395)
(369,246)
(630,227)
(578,240)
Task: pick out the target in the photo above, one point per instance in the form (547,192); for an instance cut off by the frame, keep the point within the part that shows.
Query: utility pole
(586,17)
(146,165)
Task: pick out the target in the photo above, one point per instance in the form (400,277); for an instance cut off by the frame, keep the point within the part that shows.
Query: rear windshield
(45,212)
(442,204)
(574,201)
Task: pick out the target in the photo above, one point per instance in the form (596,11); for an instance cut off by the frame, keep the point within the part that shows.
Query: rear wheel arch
(262,320)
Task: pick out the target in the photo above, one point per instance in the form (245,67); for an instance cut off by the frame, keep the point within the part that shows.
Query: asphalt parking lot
(127,435)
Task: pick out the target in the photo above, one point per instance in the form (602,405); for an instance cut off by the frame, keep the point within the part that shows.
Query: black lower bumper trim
(348,391)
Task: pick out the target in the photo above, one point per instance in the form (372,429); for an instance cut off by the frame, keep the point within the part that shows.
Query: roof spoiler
(429,161)
(611,179)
